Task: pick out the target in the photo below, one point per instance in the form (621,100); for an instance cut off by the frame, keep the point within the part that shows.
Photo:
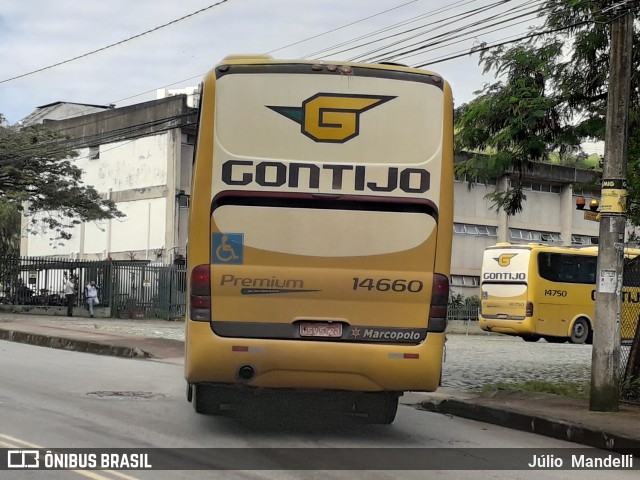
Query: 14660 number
(387,285)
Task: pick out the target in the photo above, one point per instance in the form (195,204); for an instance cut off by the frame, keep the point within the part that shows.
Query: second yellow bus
(539,291)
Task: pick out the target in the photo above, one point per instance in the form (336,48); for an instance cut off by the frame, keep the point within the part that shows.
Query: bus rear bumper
(508,327)
(312,365)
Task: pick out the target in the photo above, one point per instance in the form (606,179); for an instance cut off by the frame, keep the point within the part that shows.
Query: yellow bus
(539,291)
(320,230)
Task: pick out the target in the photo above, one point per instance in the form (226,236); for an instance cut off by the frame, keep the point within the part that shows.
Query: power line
(443,37)
(452,19)
(405,52)
(488,47)
(526,37)
(115,44)
(390,27)
(400,23)
(139,129)
(120,134)
(404,22)
(343,26)
(463,2)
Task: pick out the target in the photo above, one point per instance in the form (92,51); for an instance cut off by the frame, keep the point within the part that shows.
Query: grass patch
(565,389)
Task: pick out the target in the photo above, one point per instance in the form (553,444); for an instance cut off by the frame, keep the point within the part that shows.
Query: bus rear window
(325,232)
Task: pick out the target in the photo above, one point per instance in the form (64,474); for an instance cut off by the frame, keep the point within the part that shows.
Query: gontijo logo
(331,117)
(504,260)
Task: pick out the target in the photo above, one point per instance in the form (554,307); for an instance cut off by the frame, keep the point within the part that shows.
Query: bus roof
(259,59)
(591,250)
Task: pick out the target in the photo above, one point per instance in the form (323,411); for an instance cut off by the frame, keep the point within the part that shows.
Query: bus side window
(592,265)
(568,269)
(545,266)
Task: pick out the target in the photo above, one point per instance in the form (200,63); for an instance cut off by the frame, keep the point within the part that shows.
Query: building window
(518,234)
(468,179)
(465,281)
(583,240)
(538,187)
(94,153)
(471,229)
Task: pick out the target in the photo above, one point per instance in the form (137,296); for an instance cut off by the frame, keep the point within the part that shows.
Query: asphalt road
(58,399)
(471,361)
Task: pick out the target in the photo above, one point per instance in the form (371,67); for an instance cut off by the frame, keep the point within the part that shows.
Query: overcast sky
(35,34)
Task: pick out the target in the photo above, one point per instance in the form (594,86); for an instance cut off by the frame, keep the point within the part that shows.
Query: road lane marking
(122,475)
(17,440)
(17,443)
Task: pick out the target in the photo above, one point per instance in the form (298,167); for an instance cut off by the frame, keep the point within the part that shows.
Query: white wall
(467,253)
(470,206)
(40,243)
(133,233)
(131,164)
(540,211)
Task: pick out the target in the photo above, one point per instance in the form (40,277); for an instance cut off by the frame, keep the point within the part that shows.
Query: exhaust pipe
(246,372)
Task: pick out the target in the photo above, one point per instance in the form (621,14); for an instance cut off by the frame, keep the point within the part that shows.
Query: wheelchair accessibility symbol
(227,248)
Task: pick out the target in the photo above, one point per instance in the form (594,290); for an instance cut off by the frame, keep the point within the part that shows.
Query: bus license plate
(331,330)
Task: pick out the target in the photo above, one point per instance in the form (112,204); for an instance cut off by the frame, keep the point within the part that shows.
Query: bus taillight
(439,301)
(529,312)
(200,294)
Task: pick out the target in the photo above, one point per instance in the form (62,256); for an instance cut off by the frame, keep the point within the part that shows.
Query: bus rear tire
(531,338)
(580,331)
(206,399)
(380,408)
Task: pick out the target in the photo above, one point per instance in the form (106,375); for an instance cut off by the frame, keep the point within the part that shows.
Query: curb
(73,344)
(558,429)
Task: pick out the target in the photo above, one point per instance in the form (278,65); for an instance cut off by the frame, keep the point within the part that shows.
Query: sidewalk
(153,339)
(544,414)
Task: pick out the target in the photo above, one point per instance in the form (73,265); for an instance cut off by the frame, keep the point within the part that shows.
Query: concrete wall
(142,169)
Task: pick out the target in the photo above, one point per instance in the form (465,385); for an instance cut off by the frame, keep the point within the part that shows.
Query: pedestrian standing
(70,293)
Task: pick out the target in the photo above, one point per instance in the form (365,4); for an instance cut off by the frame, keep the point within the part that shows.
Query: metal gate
(629,332)
(144,290)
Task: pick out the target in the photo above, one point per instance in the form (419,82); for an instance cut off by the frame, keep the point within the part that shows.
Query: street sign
(593,216)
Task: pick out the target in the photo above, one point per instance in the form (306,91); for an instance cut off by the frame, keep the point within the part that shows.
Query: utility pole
(605,360)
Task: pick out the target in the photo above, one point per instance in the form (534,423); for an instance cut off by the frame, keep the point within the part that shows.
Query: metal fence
(130,289)
(629,332)
(462,313)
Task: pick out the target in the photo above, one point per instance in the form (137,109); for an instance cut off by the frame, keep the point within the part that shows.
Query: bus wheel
(531,338)
(580,331)
(206,399)
(380,408)
(556,339)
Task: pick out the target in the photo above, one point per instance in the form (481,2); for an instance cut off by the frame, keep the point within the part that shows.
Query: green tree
(472,302)
(551,96)
(9,229)
(456,300)
(39,179)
